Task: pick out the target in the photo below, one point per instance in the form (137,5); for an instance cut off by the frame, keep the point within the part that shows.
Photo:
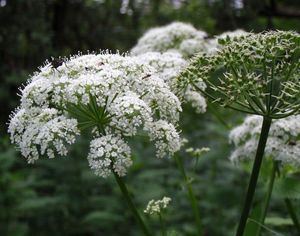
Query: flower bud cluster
(256,74)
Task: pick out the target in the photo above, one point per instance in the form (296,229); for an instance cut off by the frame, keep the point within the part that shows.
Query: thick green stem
(292,213)
(191,195)
(131,204)
(254,175)
(267,199)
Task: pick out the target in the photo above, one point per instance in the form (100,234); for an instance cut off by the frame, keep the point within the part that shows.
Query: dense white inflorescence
(107,153)
(176,36)
(155,207)
(111,95)
(168,66)
(165,136)
(283,141)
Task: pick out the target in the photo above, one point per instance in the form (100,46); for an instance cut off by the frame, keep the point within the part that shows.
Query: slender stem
(290,208)
(162,225)
(131,205)
(267,199)
(191,195)
(218,116)
(292,213)
(254,175)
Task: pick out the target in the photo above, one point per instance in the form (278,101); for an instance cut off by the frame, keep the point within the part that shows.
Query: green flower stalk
(256,74)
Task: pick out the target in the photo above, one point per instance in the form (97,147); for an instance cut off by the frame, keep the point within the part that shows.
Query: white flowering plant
(111,95)
(256,74)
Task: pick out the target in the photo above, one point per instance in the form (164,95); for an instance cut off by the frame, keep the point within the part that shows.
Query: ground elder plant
(113,97)
(177,36)
(256,74)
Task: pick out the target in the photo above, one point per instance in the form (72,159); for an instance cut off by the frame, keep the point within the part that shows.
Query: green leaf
(98,216)
(278,221)
(288,187)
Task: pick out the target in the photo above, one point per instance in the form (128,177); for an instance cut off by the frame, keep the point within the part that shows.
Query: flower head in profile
(176,36)
(112,96)
(168,66)
(256,74)
(156,207)
(283,142)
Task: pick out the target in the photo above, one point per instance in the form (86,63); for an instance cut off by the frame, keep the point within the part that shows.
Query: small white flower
(155,207)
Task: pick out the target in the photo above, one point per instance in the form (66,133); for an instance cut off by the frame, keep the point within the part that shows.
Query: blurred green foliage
(62,196)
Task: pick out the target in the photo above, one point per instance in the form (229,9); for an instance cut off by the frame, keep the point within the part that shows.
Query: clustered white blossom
(283,141)
(177,36)
(155,207)
(114,96)
(168,66)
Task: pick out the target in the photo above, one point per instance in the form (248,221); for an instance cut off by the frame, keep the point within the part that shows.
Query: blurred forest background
(62,196)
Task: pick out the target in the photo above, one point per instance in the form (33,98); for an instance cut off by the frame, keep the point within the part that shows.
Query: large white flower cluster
(176,36)
(283,142)
(113,96)
(168,65)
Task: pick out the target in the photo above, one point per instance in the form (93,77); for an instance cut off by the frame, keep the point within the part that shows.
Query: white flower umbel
(155,207)
(176,36)
(168,66)
(167,140)
(107,153)
(283,142)
(111,95)
(42,131)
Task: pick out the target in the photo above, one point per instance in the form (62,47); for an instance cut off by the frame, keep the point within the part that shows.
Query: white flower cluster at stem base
(155,207)
(283,141)
(112,95)
(107,153)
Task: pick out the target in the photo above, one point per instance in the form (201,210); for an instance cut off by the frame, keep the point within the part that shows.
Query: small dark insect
(56,62)
(292,143)
(146,76)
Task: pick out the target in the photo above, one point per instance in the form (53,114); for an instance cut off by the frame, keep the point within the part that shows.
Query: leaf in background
(288,187)
(278,221)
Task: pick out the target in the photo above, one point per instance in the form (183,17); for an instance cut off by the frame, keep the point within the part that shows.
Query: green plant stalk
(254,174)
(162,225)
(215,113)
(191,195)
(267,199)
(292,213)
(131,205)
